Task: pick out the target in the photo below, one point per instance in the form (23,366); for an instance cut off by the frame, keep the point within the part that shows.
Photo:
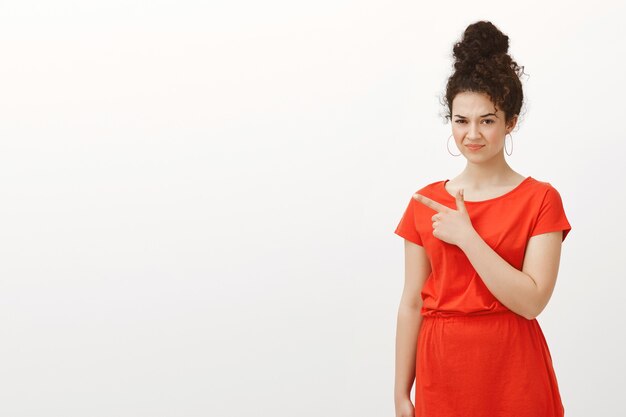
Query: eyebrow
(484,115)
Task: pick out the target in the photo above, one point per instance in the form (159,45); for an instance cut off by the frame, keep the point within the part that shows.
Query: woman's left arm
(525,292)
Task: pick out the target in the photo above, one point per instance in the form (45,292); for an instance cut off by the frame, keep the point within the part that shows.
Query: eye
(489,121)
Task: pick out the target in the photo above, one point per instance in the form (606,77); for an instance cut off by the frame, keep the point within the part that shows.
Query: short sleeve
(407,226)
(551,216)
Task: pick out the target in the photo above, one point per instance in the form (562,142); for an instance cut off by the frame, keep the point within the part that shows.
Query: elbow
(530,316)
(533,311)
(537,301)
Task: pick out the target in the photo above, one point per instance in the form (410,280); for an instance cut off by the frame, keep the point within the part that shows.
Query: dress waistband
(439,314)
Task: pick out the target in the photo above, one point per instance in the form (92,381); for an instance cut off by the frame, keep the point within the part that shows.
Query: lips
(474,146)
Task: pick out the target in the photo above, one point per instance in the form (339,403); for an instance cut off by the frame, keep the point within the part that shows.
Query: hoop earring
(448,147)
(509,154)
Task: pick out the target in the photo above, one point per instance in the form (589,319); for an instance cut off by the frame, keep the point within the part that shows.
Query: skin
(486,175)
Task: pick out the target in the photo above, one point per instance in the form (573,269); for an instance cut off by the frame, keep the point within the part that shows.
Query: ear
(512,124)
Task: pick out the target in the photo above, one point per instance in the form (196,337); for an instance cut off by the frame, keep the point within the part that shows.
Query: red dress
(475,357)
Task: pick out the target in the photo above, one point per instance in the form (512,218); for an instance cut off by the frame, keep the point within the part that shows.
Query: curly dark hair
(483,65)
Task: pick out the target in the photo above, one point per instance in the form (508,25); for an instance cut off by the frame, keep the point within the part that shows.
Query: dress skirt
(486,365)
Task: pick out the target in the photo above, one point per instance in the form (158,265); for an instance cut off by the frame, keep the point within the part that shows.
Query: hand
(451,226)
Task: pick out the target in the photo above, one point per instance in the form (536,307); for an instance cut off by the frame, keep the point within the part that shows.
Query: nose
(473,132)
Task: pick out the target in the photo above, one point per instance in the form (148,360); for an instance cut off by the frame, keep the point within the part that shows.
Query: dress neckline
(508,193)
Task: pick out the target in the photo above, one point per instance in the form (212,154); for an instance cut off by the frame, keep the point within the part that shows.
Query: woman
(482,253)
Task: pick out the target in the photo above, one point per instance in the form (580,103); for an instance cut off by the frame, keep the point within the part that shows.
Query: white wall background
(198,200)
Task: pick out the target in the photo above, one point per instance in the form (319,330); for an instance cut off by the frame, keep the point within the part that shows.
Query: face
(476,121)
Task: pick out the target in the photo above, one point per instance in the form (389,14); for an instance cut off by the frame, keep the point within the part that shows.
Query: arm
(524,292)
(416,270)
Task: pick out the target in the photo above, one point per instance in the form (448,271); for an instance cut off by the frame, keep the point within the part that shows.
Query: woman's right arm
(416,270)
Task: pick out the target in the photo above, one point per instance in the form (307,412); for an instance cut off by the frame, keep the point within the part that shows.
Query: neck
(496,171)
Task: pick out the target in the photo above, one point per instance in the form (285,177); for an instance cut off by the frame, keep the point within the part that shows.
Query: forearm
(409,322)
(512,287)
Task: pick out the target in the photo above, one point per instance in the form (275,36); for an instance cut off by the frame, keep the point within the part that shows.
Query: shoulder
(548,211)
(543,195)
(431,188)
(543,188)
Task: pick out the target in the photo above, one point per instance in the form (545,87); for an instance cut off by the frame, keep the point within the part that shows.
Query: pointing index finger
(430,203)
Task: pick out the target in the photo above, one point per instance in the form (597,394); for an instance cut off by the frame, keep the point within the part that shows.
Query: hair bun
(481,41)
(483,65)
